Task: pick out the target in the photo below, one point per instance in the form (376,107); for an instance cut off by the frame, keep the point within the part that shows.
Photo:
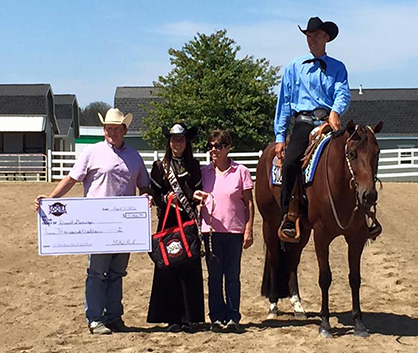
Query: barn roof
(24,89)
(24,99)
(396,107)
(64,112)
(131,100)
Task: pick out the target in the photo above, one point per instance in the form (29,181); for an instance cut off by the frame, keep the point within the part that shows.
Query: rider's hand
(279,149)
(334,121)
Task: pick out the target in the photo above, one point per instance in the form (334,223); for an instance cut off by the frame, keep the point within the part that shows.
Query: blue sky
(90,47)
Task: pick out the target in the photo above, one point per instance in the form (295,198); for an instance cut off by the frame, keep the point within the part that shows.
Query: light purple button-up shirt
(106,171)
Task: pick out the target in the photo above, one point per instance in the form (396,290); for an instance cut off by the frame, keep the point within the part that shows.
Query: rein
(334,210)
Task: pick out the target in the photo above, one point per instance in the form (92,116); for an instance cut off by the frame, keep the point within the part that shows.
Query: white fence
(62,162)
(398,164)
(394,164)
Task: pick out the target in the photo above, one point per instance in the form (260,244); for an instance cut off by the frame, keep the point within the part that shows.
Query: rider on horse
(314,89)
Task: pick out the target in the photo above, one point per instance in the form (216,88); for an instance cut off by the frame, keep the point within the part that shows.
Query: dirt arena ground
(42,309)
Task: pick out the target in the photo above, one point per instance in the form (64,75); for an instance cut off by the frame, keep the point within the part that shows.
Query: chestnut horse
(342,200)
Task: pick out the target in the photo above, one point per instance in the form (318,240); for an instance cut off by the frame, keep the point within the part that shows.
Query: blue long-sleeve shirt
(306,87)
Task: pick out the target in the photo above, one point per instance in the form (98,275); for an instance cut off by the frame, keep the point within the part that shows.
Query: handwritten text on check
(94,225)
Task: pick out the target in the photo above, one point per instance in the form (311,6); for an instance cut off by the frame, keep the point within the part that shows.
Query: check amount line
(107,222)
(86,232)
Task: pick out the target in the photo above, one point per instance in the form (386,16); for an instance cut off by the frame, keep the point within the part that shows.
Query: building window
(34,142)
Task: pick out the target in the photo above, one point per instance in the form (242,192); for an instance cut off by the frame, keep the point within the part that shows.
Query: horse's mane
(338,133)
(341,132)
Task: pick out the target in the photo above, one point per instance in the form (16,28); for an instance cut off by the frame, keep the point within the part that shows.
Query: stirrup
(285,237)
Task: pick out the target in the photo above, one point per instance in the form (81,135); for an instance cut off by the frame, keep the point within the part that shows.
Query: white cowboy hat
(115,116)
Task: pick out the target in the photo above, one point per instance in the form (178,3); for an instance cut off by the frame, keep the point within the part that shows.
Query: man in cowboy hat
(108,168)
(314,89)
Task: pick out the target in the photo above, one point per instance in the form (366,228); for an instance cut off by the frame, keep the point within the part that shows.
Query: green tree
(89,115)
(211,88)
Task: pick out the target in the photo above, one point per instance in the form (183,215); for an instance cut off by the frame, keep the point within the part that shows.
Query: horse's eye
(351,154)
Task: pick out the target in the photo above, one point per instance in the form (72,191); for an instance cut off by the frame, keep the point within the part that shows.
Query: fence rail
(394,164)
(62,162)
(23,167)
(398,164)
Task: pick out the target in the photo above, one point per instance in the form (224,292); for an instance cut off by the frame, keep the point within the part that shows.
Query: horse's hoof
(300,315)
(273,313)
(325,333)
(361,333)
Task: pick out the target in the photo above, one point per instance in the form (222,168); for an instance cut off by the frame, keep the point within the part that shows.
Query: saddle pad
(276,173)
(309,171)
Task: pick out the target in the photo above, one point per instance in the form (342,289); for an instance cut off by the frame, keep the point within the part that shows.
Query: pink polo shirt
(106,171)
(229,214)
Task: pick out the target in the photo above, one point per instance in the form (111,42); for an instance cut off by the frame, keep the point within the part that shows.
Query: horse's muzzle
(368,197)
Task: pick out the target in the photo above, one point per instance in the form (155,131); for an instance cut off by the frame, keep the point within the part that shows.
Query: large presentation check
(94,225)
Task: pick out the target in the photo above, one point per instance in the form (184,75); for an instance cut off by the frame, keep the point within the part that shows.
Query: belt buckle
(319,114)
(305,118)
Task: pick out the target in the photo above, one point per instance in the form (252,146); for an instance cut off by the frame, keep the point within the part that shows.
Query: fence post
(155,156)
(49,166)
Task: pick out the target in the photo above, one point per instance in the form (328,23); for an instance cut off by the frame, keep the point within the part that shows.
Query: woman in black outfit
(177,293)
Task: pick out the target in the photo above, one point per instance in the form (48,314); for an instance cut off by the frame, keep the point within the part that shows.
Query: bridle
(370,214)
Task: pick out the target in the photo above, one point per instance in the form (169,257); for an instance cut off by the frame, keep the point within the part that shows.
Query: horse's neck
(336,163)
(334,168)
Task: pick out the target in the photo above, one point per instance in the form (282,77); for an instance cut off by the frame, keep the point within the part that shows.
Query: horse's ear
(377,128)
(350,127)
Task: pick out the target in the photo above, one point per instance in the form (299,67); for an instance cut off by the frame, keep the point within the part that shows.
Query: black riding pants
(292,162)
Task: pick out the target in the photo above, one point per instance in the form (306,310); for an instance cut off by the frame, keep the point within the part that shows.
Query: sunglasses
(217,145)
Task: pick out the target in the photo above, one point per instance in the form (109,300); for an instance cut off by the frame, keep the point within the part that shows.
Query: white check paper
(94,225)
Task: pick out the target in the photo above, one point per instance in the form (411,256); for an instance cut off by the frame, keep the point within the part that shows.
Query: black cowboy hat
(180,129)
(329,28)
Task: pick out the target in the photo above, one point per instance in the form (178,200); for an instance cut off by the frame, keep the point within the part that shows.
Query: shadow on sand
(377,323)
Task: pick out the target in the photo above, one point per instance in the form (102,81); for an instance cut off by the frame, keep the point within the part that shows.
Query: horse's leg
(355,249)
(271,265)
(325,278)
(295,300)
(293,262)
(269,284)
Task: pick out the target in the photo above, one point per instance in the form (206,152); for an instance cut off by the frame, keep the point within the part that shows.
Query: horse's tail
(275,283)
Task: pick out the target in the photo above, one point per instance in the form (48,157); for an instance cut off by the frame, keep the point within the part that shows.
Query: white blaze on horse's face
(362,153)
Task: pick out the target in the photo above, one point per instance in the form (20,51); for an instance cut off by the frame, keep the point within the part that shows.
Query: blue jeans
(104,287)
(224,265)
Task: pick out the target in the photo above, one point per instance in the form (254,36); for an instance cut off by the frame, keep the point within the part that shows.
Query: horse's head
(362,155)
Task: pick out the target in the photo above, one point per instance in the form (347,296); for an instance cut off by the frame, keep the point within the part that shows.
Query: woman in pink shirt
(227,226)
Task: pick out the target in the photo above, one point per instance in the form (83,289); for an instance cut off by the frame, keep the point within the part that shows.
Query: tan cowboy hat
(115,116)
